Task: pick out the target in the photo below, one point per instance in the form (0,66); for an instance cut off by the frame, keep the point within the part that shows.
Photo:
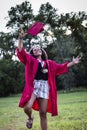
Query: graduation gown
(31,66)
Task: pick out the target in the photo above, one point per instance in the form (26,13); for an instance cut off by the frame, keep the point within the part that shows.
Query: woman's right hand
(22,34)
(20,41)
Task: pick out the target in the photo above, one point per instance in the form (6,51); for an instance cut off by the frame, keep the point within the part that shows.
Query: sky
(63,6)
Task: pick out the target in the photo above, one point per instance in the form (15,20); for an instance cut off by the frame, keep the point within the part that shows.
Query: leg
(28,111)
(43,108)
(28,106)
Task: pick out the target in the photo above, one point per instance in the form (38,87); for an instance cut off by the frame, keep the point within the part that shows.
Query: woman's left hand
(76,60)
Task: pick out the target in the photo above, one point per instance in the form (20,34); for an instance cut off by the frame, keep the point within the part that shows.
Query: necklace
(43,65)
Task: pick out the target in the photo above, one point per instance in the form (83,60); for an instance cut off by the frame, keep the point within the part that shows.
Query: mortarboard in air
(36,28)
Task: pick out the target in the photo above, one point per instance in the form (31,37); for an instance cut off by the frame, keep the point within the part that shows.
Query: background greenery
(61,47)
(72,113)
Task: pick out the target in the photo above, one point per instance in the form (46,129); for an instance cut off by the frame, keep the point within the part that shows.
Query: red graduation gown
(31,66)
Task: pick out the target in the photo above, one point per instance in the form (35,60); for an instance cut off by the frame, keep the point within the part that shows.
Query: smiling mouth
(38,53)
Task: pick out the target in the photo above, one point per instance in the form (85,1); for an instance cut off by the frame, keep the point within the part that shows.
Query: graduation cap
(36,28)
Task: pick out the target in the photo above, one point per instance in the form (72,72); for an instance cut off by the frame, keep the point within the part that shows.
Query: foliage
(7,46)
(78,43)
(79,34)
(20,16)
(49,14)
(11,73)
(62,47)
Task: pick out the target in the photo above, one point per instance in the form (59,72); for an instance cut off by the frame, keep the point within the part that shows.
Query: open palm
(76,60)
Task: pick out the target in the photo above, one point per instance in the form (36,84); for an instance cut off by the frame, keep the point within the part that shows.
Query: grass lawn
(72,113)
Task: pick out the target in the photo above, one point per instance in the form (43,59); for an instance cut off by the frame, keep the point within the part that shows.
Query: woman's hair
(44,54)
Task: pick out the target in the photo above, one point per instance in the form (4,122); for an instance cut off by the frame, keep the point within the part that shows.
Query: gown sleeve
(60,69)
(22,55)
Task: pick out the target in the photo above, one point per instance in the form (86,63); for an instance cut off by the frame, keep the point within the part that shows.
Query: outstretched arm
(21,53)
(74,61)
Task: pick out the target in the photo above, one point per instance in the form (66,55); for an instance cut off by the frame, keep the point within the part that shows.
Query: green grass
(72,113)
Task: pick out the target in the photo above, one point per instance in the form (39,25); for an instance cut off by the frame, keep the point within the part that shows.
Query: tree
(61,48)
(79,34)
(7,45)
(11,77)
(74,22)
(47,14)
(20,16)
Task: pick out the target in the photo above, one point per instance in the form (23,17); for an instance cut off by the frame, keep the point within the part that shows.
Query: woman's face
(37,50)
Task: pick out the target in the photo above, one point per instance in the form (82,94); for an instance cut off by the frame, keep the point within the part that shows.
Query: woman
(40,88)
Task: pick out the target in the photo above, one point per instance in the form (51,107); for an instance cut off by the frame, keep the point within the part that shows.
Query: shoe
(29,123)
